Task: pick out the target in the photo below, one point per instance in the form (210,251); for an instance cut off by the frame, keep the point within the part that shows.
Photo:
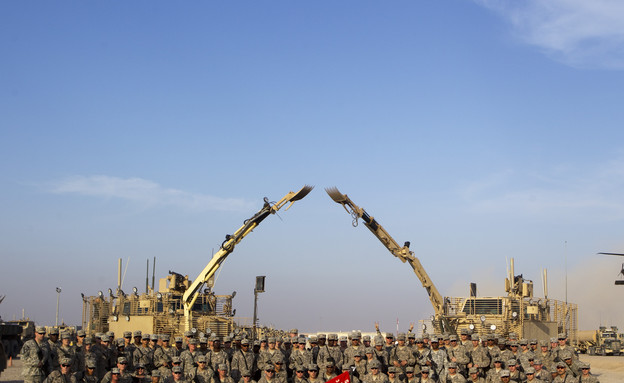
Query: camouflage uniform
(243,360)
(329,351)
(35,357)
(479,357)
(459,354)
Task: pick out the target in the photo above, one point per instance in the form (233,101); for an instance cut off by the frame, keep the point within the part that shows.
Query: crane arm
(227,247)
(401,252)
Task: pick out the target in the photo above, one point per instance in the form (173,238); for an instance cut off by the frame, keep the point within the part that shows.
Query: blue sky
(477,130)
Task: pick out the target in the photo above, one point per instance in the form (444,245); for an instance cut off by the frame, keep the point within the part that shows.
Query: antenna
(124,274)
(545,282)
(153,273)
(147,277)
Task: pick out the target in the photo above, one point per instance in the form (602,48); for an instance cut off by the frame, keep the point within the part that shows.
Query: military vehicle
(604,341)
(179,304)
(518,312)
(11,336)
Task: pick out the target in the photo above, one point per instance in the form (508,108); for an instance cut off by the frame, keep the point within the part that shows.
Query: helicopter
(621,280)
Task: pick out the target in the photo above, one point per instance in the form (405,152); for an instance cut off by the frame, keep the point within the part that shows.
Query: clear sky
(477,130)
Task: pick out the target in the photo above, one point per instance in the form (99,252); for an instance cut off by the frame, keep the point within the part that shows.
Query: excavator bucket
(301,193)
(336,195)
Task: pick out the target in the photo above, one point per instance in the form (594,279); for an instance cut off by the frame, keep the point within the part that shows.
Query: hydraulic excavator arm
(227,247)
(401,252)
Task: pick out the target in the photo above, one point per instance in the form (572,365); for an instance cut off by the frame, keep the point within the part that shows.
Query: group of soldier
(206,358)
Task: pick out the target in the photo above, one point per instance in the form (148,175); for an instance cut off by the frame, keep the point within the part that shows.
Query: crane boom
(227,247)
(401,252)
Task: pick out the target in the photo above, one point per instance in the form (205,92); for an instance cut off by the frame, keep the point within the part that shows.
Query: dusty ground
(608,369)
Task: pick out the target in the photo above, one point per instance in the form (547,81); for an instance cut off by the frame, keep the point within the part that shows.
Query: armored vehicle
(604,341)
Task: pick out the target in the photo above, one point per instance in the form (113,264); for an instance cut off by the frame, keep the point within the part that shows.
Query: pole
(58,299)
(255,314)
(153,272)
(147,278)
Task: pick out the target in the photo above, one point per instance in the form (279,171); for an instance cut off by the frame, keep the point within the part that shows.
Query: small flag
(342,378)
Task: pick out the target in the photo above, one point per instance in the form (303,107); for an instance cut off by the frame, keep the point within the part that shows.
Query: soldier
(343,343)
(563,374)
(505,376)
(66,350)
(123,375)
(177,376)
(246,377)
(143,354)
(380,352)
(281,375)
(347,355)
(465,337)
(128,345)
(266,356)
(474,376)
(164,371)
(453,375)
(586,376)
(35,357)
(89,375)
(243,359)
(515,375)
(155,376)
(439,359)
(401,355)
(493,375)
(80,337)
(525,354)
(269,374)
(227,347)
(330,350)
(188,358)
(138,338)
(425,376)
(375,375)
(330,371)
(300,375)
(492,349)
(572,365)
(562,347)
(314,348)
(479,355)
(410,377)
(121,351)
(313,374)
(545,355)
(359,367)
(458,353)
(394,375)
(177,348)
(161,351)
(540,373)
(217,356)
(353,377)
(53,345)
(63,375)
(530,375)
(301,357)
(108,358)
(223,375)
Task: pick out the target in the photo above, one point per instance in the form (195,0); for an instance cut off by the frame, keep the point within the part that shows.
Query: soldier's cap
(98,335)
(445,336)
(53,331)
(88,340)
(504,373)
(424,369)
(322,336)
(513,344)
(145,336)
(192,341)
(300,368)
(369,350)
(121,342)
(411,335)
(165,337)
(278,358)
(537,361)
(271,339)
(378,339)
(269,367)
(390,335)
(222,367)
(583,365)
(127,334)
(425,336)
(213,338)
(332,337)
(203,340)
(139,365)
(343,338)
(533,341)
(474,337)
(374,363)
(201,358)
(154,337)
(498,359)
(513,335)
(511,362)
(490,337)
(286,340)
(464,331)
(523,342)
(227,339)
(329,363)
(137,333)
(65,361)
(358,352)
(502,341)
(452,365)
(566,355)
(409,369)
(256,343)
(355,336)
(313,339)
(245,372)
(178,339)
(434,339)
(453,338)
(420,340)
(122,359)
(295,340)
(188,334)
(553,369)
(562,336)
(544,343)
(473,370)
(553,340)
(81,333)
(313,367)
(529,370)
(401,336)
(156,374)
(90,363)
(293,331)
(65,335)
(392,369)
(115,370)
(176,359)
(245,341)
(176,369)
(560,364)
(105,338)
